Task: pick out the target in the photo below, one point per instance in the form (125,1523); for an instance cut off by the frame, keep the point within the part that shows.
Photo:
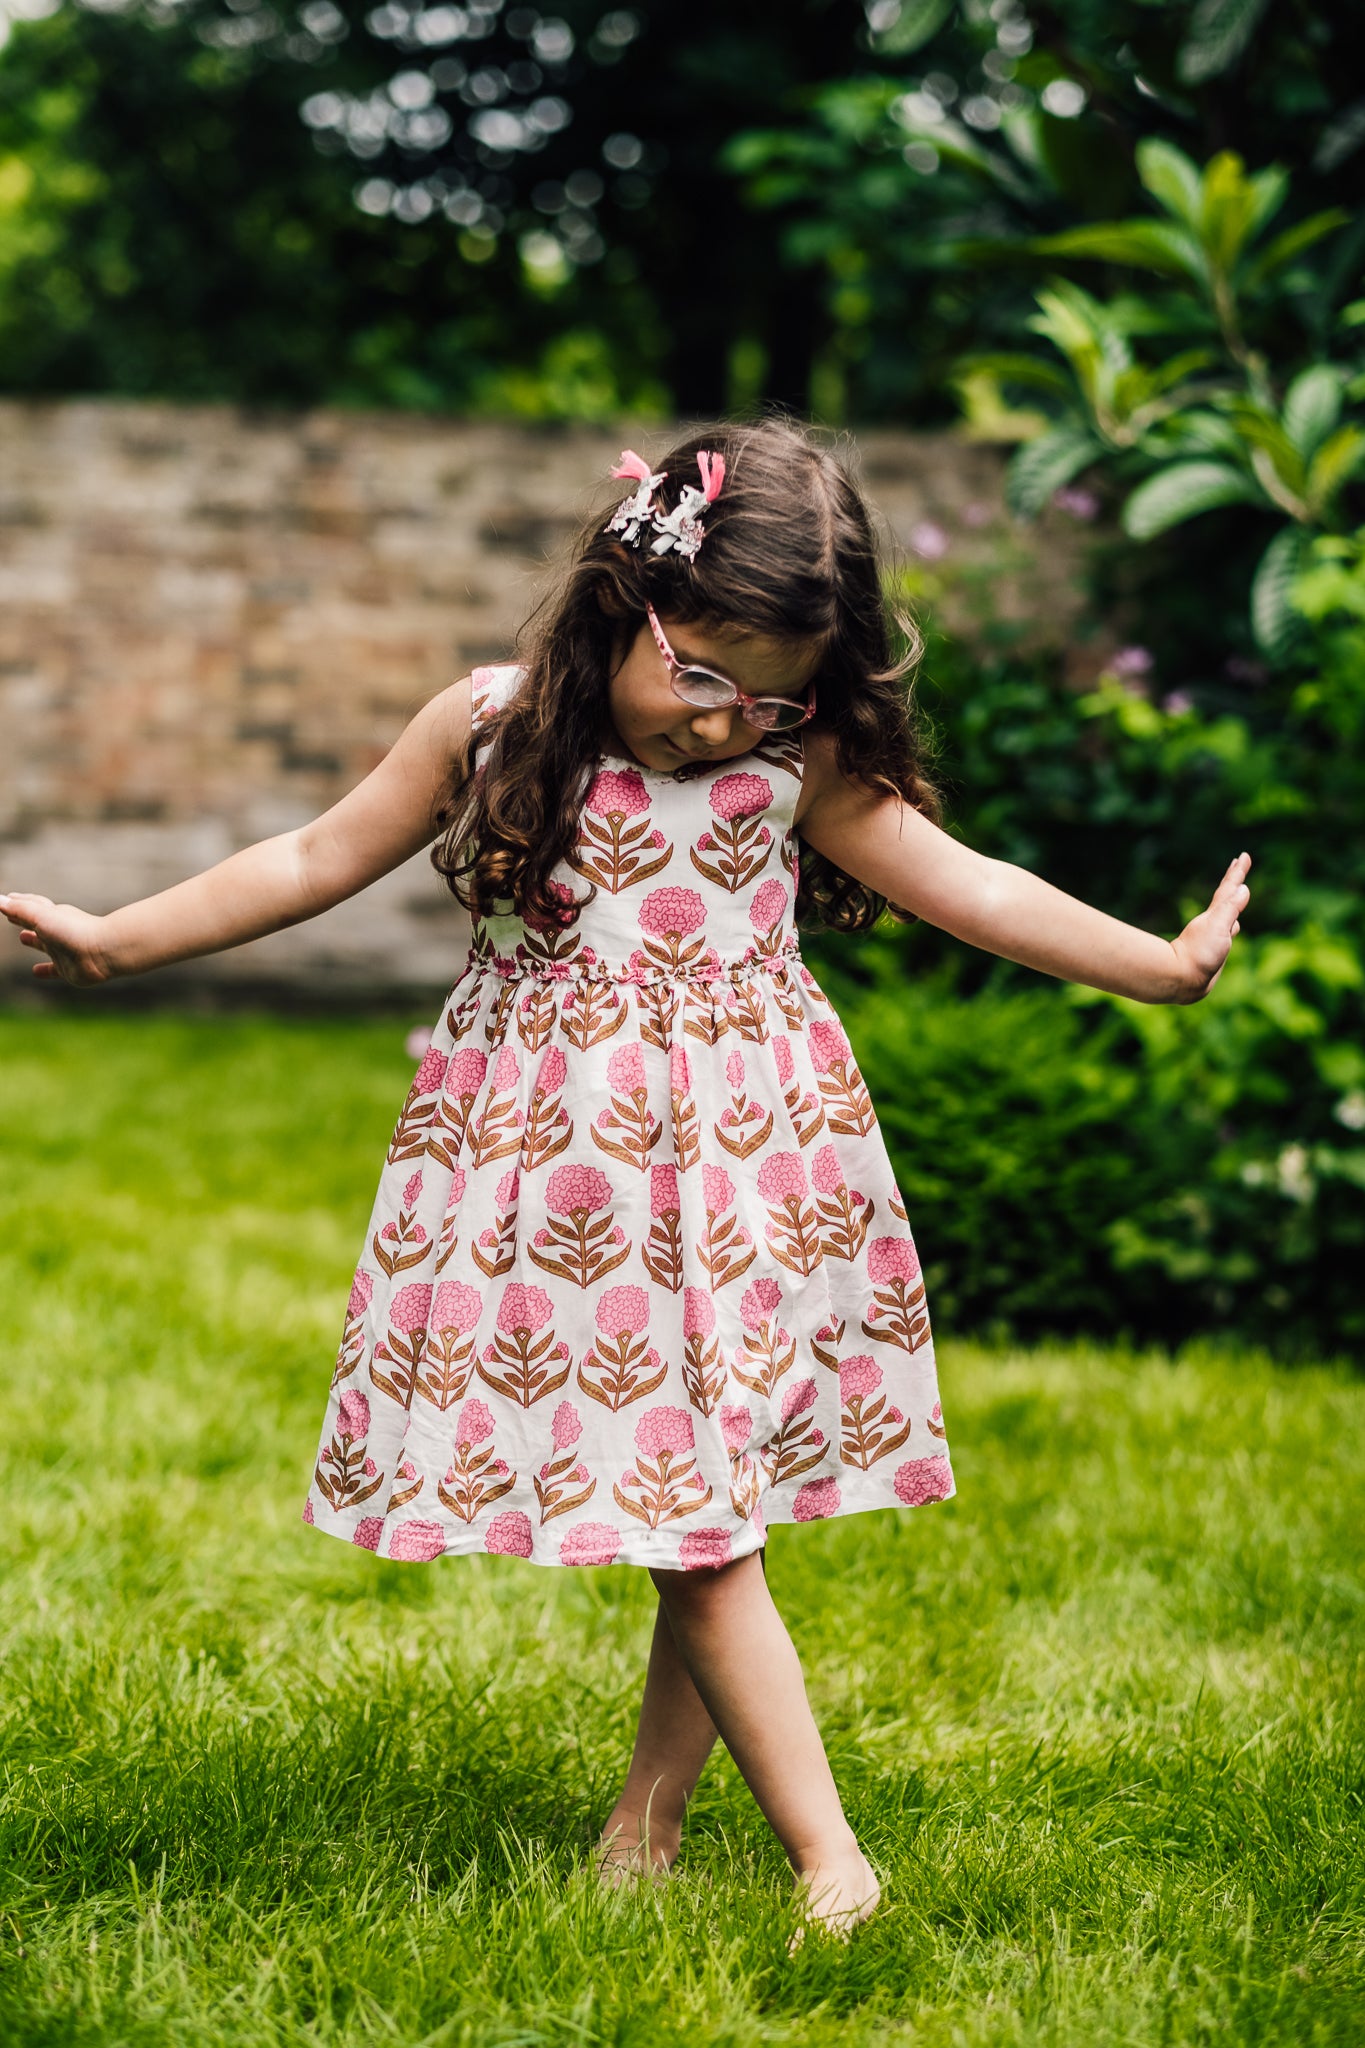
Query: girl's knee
(708,1585)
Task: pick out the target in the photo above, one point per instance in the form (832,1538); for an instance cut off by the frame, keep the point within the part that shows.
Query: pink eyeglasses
(710,692)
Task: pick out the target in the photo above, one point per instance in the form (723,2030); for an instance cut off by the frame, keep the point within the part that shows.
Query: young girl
(639,1281)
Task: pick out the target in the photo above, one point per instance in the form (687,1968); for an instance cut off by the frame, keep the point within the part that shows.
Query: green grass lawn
(1098,1720)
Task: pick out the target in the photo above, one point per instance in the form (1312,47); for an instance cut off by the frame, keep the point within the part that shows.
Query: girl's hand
(1206,941)
(72,939)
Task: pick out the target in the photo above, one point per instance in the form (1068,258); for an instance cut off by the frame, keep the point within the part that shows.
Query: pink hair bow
(634,466)
(712,469)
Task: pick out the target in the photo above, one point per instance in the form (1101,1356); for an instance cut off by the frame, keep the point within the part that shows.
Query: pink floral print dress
(638,1280)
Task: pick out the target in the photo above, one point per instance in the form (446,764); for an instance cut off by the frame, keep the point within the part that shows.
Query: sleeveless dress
(638,1280)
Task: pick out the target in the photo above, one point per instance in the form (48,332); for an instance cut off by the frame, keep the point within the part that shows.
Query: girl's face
(663,732)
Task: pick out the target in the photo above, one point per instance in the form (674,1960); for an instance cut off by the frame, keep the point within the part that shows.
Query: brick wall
(213,623)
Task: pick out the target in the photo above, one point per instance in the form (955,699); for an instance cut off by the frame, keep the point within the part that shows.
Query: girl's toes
(836,1898)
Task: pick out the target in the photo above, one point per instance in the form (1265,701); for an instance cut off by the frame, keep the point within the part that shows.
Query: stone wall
(212,623)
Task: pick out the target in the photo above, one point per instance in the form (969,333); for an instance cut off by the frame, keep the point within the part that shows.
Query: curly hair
(790,553)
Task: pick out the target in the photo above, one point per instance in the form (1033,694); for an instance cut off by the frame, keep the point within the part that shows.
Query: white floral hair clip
(681,529)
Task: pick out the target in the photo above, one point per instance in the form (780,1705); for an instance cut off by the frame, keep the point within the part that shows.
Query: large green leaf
(1292,242)
(1043,466)
(1171,178)
(1013,368)
(913,26)
(1183,491)
(1338,458)
(1147,244)
(1312,406)
(1219,31)
(1274,620)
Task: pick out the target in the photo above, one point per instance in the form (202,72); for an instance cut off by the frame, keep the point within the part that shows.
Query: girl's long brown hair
(789,552)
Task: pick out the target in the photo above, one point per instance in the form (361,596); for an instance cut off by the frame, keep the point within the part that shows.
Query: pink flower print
(566,1426)
(826,1171)
(410,1308)
(782,1175)
(699,1312)
(802,1395)
(309,1517)
(508,1534)
(921,1480)
(620,792)
(551,1072)
(455,1306)
(457,1180)
(679,1069)
(739,796)
(815,1500)
(474,1423)
(663,1190)
(523,1308)
(412,1191)
(506,1072)
(466,1071)
(704,1549)
(362,1292)
(407,1470)
(782,1059)
(432,1071)
(622,1309)
(370,1469)
(734,1070)
(736,1426)
(672,913)
(664,1429)
(353,1415)
(590,1543)
(577,1187)
(656,838)
(626,1069)
(859,1377)
(417,1542)
(768,906)
(707,843)
(828,1044)
(718,1190)
(759,1300)
(368,1531)
(892,1258)
(936,1412)
(508,1186)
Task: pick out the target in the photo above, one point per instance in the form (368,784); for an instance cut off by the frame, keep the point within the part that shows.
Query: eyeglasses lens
(770,714)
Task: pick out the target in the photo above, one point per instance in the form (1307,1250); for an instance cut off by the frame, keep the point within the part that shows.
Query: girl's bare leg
(747,1677)
(674,1739)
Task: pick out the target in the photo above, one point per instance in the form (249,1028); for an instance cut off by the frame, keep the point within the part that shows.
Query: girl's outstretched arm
(278,882)
(1004,909)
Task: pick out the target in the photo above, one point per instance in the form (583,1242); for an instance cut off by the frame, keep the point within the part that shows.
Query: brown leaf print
(869,1428)
(727,1250)
(536,1015)
(521,1363)
(563,1482)
(402,1243)
(351,1351)
(446,1363)
(549,1128)
(621,1366)
(746,1478)
(656,1007)
(662,1250)
(410,1134)
(474,1478)
(579,1242)
(703,1366)
(345,1475)
(665,1483)
(745,1125)
(768,1351)
(617,845)
(848,1106)
(593,1010)
(797,1445)
(494,1250)
(626,1128)
(464,1079)
(792,1230)
(499,1129)
(396,1356)
(898,1315)
(845,1214)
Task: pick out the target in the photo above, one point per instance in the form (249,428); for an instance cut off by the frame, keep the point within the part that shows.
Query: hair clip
(681,529)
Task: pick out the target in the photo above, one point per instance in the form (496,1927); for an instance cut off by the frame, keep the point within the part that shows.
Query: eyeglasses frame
(678,668)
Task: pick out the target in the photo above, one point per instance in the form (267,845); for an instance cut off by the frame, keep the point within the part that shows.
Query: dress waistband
(640,969)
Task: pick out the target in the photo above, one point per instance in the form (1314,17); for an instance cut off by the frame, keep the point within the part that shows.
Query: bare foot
(632,1847)
(836,1896)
